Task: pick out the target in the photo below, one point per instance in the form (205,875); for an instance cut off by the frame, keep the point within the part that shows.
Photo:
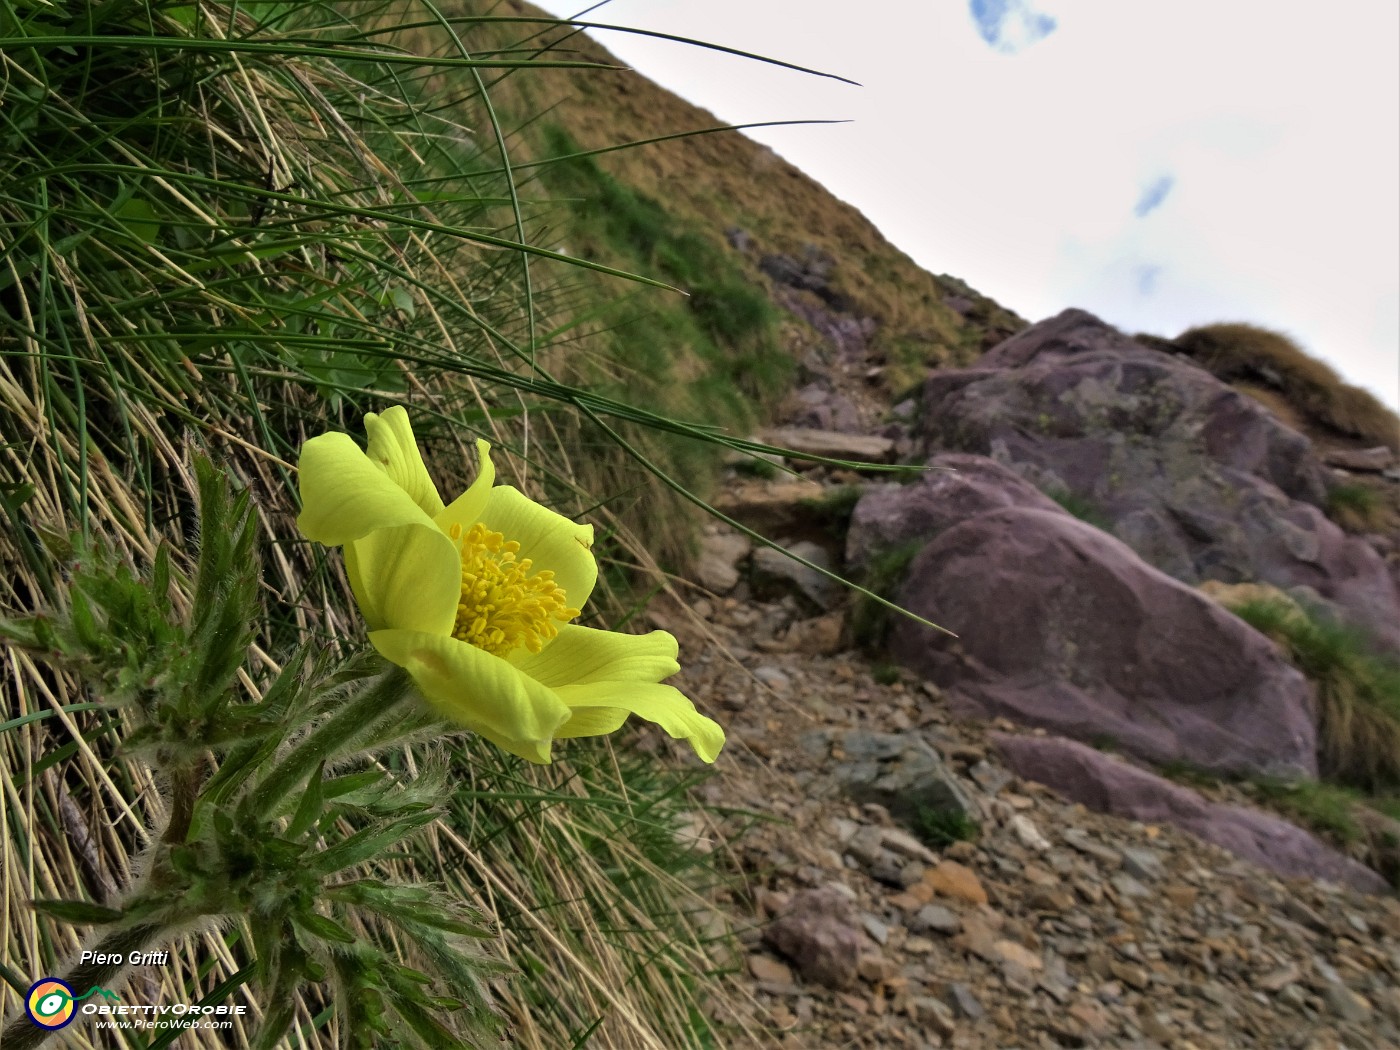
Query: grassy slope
(711,183)
(726,353)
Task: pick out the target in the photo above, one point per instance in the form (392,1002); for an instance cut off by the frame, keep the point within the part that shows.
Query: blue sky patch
(1010,25)
(1154,195)
(1146,277)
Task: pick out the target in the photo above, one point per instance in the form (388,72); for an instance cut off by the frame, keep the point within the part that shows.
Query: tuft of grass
(757,467)
(938,828)
(832,510)
(1083,509)
(1354,506)
(884,572)
(885,673)
(1324,807)
(1367,827)
(1358,693)
(1249,354)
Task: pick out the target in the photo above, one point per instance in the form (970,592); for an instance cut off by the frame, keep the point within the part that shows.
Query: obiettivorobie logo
(52,1004)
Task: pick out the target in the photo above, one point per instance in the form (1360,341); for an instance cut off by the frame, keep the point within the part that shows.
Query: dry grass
(1257,357)
(1357,691)
(120,359)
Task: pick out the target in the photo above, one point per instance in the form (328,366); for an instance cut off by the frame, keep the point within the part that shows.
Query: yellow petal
(482,692)
(407,577)
(592,721)
(665,705)
(345,496)
(580,655)
(550,540)
(466,509)
(391,445)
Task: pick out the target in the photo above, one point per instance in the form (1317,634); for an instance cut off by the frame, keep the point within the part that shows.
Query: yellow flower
(474,598)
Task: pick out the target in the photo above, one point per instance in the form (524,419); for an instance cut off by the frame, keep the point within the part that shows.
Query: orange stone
(951,879)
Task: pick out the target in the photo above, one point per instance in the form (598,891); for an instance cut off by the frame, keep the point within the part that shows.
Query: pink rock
(818,933)
(1201,480)
(1108,785)
(1061,625)
(957,486)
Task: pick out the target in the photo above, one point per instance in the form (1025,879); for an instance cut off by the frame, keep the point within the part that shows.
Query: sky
(1161,163)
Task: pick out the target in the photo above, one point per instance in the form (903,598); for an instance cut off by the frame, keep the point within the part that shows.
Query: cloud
(1010,25)
(1154,195)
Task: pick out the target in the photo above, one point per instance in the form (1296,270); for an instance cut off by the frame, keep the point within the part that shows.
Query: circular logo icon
(50,1003)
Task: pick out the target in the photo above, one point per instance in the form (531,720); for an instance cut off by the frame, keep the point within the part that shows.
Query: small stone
(1080,840)
(1215,992)
(874,968)
(1092,1016)
(1142,863)
(716,569)
(905,844)
(961,850)
(819,636)
(1051,899)
(1089,892)
(879,747)
(1109,992)
(976,938)
(766,968)
(1038,876)
(1389,1001)
(890,870)
(1132,975)
(967,753)
(1027,833)
(877,929)
(910,901)
(817,933)
(866,845)
(936,918)
(1346,1004)
(951,879)
(935,1014)
(1017,978)
(1183,898)
(989,778)
(1127,886)
(963,1002)
(1303,915)
(1280,978)
(774,573)
(1018,955)
(773,678)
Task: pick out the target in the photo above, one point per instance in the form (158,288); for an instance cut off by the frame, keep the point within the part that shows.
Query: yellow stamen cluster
(502,606)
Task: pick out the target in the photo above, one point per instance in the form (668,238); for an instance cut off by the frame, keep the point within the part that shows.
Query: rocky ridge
(920,886)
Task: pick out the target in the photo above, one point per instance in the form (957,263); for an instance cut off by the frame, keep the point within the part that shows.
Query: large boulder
(1108,785)
(1060,625)
(1199,479)
(955,487)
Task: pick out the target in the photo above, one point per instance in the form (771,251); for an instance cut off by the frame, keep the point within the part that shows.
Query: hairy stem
(184,790)
(323,742)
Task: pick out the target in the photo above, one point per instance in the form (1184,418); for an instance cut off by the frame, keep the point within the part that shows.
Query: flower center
(502,606)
